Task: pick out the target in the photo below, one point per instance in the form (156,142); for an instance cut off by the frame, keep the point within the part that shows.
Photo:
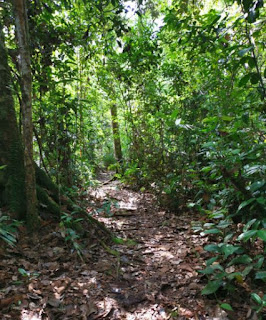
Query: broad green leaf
(23,272)
(245,203)
(235,275)
(243,81)
(256,298)
(174,114)
(254,78)
(249,224)
(228,237)
(256,185)
(208,225)
(261,200)
(251,62)
(210,261)
(244,259)
(212,248)
(227,118)
(118,240)
(262,234)
(245,236)
(211,269)
(229,249)
(210,119)
(261,275)
(212,231)
(212,287)
(206,169)
(226,306)
(247,270)
(223,224)
(259,263)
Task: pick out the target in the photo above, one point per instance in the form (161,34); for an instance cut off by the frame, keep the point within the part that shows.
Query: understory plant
(69,228)
(8,230)
(238,257)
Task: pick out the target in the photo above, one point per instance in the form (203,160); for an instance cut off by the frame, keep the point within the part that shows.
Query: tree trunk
(12,177)
(116,134)
(26,88)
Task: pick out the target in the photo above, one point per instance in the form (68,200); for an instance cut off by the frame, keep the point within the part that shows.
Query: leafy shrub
(8,230)
(108,160)
(232,262)
(70,227)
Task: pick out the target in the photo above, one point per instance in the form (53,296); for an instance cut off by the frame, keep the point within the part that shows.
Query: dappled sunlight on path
(149,271)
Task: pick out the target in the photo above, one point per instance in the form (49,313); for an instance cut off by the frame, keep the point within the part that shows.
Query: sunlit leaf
(249,224)
(226,306)
(262,234)
(247,235)
(256,298)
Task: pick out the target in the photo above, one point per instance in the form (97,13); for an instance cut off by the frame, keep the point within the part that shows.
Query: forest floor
(152,274)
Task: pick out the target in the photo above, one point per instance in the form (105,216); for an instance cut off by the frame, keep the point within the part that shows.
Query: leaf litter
(152,273)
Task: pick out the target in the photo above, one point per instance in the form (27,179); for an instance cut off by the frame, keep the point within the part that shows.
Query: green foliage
(8,230)
(190,96)
(109,160)
(71,231)
(232,263)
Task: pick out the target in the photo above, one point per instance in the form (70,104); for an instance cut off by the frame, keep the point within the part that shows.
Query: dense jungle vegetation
(169,96)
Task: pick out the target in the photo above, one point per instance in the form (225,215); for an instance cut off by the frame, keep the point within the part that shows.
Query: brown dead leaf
(88,309)
(185,266)
(8,301)
(54,302)
(185,312)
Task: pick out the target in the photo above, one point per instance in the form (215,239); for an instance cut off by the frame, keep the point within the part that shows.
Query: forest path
(151,274)
(155,274)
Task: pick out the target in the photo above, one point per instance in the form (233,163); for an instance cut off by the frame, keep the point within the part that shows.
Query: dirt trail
(158,276)
(153,274)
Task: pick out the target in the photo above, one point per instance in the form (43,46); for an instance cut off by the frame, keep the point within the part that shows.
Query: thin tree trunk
(116,134)
(22,34)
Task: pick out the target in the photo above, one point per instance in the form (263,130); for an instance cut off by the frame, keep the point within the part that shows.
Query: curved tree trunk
(12,177)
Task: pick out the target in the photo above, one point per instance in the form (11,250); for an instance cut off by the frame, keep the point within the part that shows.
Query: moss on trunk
(11,151)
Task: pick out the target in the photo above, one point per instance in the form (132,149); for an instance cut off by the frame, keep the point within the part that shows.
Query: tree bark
(116,134)
(12,177)
(22,35)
